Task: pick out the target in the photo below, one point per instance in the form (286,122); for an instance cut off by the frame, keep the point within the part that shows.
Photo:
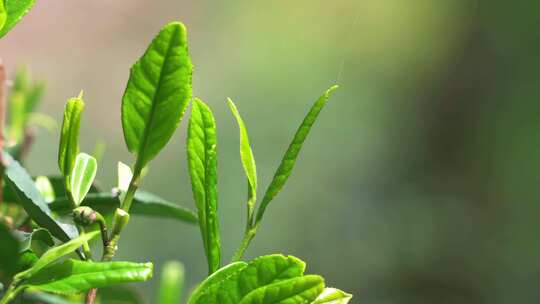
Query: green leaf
(82,177)
(248,161)
(241,283)
(3,14)
(157,94)
(16,9)
(289,159)
(124,176)
(45,298)
(26,260)
(40,234)
(17,117)
(333,296)
(202,162)
(172,283)
(59,188)
(22,186)
(69,138)
(44,186)
(55,253)
(9,253)
(292,291)
(73,276)
(144,203)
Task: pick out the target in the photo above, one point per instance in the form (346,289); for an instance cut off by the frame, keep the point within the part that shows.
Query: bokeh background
(420,181)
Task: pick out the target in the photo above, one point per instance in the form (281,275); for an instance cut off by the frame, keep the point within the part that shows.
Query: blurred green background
(418,184)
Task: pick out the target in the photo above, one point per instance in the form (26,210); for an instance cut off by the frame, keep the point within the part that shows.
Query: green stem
(248,236)
(11,294)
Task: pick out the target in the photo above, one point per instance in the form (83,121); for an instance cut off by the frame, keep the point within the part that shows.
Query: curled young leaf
(157,94)
(73,276)
(202,163)
(82,177)
(289,159)
(69,138)
(14,11)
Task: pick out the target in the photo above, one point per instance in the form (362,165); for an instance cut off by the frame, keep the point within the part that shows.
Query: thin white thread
(348,43)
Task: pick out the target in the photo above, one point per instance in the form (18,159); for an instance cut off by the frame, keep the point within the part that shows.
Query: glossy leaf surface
(74,276)
(26,193)
(202,163)
(82,177)
(157,93)
(15,10)
(289,159)
(333,296)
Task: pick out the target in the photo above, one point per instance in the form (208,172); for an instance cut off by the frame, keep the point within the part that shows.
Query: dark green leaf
(55,253)
(69,138)
(333,296)
(26,260)
(73,276)
(157,94)
(289,159)
(28,196)
(82,177)
(171,284)
(16,9)
(202,162)
(9,253)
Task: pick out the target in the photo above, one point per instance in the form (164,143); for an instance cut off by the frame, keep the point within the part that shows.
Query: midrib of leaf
(147,128)
(310,286)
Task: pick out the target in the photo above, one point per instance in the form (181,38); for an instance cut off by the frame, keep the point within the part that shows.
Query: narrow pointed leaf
(15,9)
(248,160)
(26,193)
(202,163)
(289,159)
(171,284)
(82,177)
(333,296)
(73,276)
(69,138)
(157,93)
(9,253)
(55,253)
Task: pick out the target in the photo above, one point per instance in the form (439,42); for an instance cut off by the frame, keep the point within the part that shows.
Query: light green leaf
(82,177)
(9,253)
(16,9)
(248,161)
(243,283)
(202,163)
(299,290)
(44,186)
(55,253)
(172,283)
(3,14)
(23,188)
(124,176)
(289,159)
(333,296)
(69,138)
(157,94)
(17,117)
(73,276)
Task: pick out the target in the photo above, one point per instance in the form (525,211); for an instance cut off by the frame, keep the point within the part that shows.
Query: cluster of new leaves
(47,222)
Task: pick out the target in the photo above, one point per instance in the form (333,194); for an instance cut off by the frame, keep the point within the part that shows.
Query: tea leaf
(9,253)
(40,234)
(289,159)
(73,276)
(55,253)
(248,161)
(202,162)
(172,283)
(44,186)
(333,296)
(15,9)
(59,188)
(69,138)
(268,279)
(28,196)
(3,14)
(157,94)
(82,177)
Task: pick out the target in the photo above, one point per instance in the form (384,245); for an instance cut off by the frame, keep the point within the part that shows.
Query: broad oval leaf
(73,276)
(69,137)
(9,254)
(23,188)
(82,177)
(289,159)
(171,284)
(232,285)
(157,94)
(333,296)
(15,10)
(202,163)
(55,253)
(248,160)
